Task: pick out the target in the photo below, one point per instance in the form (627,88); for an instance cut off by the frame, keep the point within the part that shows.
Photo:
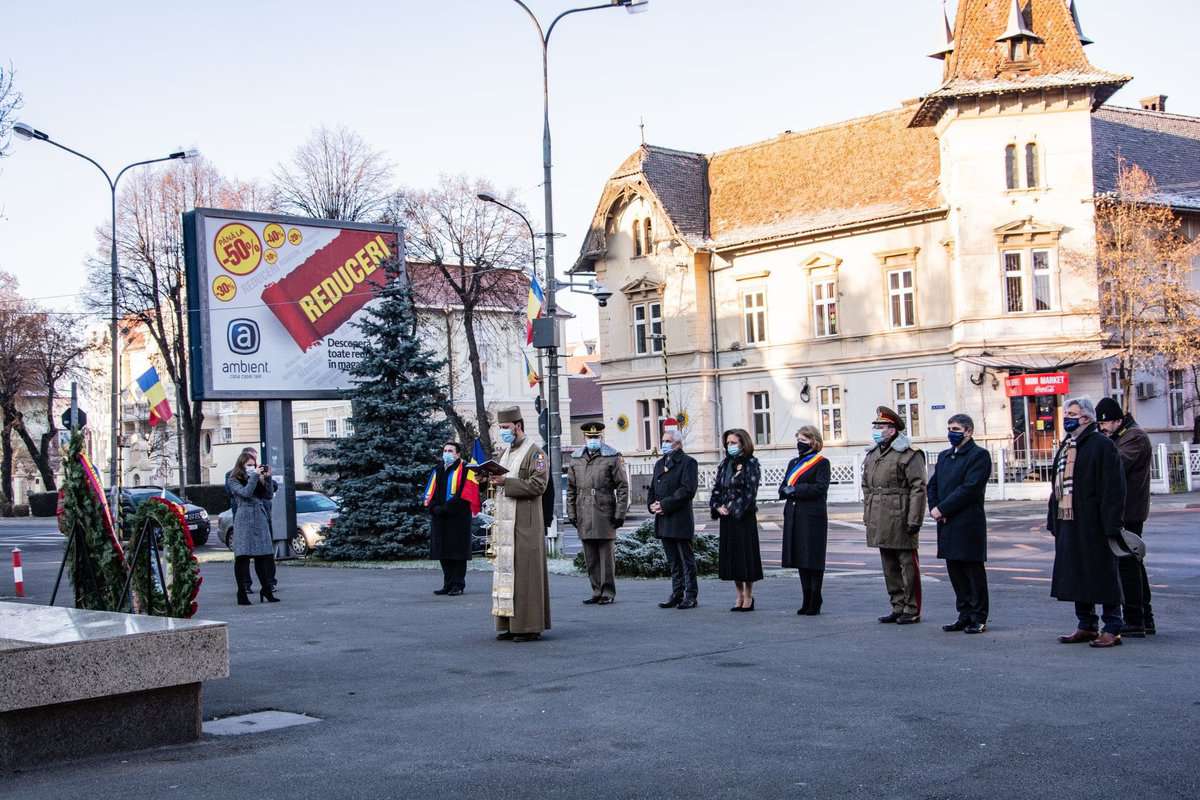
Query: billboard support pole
(275,419)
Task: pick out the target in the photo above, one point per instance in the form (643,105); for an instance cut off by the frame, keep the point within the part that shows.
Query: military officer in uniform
(597,502)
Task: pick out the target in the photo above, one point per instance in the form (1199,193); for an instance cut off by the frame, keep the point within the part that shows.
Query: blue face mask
(449,458)
(1070,424)
(507,436)
(593,444)
(877,435)
(733,450)
(956,438)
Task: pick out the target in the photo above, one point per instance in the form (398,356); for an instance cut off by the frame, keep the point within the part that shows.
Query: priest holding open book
(520,582)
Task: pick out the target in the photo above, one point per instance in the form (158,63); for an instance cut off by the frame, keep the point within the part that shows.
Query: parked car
(314,513)
(134,496)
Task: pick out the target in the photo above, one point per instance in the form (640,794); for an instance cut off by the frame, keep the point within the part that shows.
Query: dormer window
(1018,37)
(1018,50)
(637,238)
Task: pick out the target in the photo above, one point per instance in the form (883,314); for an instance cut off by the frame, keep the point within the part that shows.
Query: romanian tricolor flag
(533,308)
(462,482)
(530,373)
(427,495)
(156,396)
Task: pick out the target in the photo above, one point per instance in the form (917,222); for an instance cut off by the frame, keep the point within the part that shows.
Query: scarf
(1064,478)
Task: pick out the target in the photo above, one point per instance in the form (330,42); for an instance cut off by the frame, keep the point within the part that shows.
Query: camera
(601,294)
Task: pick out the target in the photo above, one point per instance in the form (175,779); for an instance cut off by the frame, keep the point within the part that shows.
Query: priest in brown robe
(520,582)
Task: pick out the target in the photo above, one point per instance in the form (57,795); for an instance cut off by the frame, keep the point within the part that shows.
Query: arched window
(637,237)
(648,244)
(1031,165)
(1010,167)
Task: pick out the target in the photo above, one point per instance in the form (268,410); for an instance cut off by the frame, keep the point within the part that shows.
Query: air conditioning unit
(1147,391)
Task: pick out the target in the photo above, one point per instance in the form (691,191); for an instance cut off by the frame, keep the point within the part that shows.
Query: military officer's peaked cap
(885,416)
(592,428)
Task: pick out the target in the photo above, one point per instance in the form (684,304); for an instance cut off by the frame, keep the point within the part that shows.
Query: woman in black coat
(734,501)
(1085,510)
(450,519)
(956,494)
(804,490)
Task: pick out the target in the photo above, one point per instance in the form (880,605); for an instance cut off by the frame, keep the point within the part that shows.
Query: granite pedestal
(77,683)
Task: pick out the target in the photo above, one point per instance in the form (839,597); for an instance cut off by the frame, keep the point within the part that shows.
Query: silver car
(314,513)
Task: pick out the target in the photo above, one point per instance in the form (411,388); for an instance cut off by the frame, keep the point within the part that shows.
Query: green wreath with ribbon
(183,578)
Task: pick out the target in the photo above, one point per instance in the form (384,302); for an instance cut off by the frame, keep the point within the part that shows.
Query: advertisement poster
(272,301)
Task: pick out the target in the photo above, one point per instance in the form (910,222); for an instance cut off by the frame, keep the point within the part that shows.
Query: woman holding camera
(252,486)
(734,501)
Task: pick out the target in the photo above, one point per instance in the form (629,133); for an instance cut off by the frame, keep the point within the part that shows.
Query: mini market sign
(1037,384)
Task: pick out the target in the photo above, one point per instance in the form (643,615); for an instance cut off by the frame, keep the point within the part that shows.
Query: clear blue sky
(449,86)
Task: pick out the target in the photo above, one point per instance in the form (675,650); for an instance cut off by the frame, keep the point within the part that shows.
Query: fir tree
(380,471)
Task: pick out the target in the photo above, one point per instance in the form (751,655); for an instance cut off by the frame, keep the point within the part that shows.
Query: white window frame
(825,307)
(348,425)
(1175,398)
(302,428)
(1028,274)
(331,428)
(830,413)
(760,413)
(900,315)
(906,393)
(1114,384)
(226,434)
(650,324)
(643,413)
(754,317)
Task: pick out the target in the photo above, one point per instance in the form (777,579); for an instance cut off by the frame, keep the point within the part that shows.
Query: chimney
(1157,102)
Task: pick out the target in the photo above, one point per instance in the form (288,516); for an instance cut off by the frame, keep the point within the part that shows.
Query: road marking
(858,526)
(1027,578)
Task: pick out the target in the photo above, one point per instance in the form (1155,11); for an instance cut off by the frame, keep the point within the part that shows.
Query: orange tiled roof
(979,64)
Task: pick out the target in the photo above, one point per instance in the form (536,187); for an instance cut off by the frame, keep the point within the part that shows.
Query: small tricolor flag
(533,308)
(156,396)
(477,454)
(530,373)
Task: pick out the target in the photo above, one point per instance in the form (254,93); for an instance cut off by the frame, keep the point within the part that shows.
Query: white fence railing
(1016,475)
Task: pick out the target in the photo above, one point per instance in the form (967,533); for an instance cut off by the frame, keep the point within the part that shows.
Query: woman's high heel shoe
(243,600)
(265,596)
(749,607)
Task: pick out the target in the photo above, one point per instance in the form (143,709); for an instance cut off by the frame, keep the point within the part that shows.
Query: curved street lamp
(30,133)
(554,423)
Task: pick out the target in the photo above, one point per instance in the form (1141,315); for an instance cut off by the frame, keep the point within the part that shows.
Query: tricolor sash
(806,463)
(429,487)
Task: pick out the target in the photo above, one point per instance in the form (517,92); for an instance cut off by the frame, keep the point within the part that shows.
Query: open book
(488,467)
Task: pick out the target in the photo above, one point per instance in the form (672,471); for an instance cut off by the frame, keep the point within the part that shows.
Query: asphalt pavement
(418,700)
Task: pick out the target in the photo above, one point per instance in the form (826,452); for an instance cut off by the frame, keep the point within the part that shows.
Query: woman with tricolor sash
(804,489)
(452,497)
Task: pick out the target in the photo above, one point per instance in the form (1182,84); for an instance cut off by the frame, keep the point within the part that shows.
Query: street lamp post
(30,133)
(554,422)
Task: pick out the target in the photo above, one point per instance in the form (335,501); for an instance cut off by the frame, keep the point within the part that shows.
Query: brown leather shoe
(1079,637)
(1106,640)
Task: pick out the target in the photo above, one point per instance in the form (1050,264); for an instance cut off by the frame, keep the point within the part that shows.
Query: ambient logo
(243,336)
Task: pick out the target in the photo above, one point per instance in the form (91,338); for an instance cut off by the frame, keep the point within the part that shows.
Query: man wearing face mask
(956,494)
(1085,510)
(597,502)
(451,499)
(893,483)
(672,489)
(520,583)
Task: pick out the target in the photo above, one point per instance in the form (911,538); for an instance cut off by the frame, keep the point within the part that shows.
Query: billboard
(272,301)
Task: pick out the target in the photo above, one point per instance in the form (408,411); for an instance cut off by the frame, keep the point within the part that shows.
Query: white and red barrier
(18,573)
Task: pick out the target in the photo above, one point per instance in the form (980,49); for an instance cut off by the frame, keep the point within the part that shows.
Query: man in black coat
(672,488)
(956,494)
(450,518)
(1133,445)
(1085,511)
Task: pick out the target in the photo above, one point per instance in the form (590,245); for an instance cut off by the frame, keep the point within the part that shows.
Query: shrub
(640,555)
(20,510)
(43,504)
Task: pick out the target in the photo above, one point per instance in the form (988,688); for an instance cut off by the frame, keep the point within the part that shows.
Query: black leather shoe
(1150,629)
(441,591)
(956,627)
(976,627)
(892,617)
(815,611)
(527,637)
(591,601)
(686,604)
(454,592)
(908,619)
(1133,632)
(504,637)
(671,602)
(605,601)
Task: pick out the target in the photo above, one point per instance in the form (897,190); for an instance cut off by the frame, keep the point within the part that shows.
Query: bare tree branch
(334,175)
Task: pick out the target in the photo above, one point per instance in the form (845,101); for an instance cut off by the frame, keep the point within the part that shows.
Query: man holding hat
(597,502)
(893,483)
(520,583)
(1133,445)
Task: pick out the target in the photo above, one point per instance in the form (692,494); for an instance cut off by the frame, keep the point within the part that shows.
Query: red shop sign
(1039,384)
